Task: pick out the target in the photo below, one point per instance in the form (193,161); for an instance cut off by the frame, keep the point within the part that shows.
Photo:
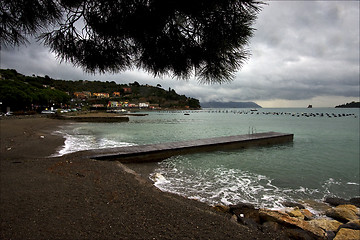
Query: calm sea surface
(322,161)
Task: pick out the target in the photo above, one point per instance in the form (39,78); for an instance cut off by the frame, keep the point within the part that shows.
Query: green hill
(20,92)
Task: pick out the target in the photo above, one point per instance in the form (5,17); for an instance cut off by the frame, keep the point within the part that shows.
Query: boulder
(326,224)
(316,205)
(334,201)
(330,235)
(357,221)
(354,224)
(238,208)
(343,213)
(347,234)
(296,213)
(307,214)
(246,210)
(292,222)
(355,202)
(222,208)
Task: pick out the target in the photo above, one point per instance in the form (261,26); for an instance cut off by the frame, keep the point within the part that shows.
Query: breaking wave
(78,141)
(221,185)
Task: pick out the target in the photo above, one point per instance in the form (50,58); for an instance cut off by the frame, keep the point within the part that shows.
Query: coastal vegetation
(353,104)
(35,93)
(19,92)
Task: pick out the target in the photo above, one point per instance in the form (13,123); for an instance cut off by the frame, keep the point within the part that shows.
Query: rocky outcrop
(326,224)
(347,234)
(291,222)
(307,214)
(343,213)
(296,223)
(333,201)
(222,208)
(245,211)
(355,202)
(355,225)
(296,212)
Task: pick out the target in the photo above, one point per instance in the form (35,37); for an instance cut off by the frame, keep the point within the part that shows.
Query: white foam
(353,183)
(79,142)
(221,185)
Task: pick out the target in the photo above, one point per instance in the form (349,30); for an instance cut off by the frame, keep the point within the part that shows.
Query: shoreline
(72,196)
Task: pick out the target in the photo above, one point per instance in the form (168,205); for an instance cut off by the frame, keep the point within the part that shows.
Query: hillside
(229,105)
(349,105)
(27,93)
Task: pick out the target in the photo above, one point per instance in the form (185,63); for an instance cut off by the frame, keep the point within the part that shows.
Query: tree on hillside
(177,37)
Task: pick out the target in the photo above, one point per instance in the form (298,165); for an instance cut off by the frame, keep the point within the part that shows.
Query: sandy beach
(74,197)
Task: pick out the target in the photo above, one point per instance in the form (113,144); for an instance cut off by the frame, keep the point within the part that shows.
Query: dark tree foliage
(19,18)
(177,37)
(21,92)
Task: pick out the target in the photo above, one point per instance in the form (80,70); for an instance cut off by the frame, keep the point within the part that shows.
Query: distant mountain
(229,105)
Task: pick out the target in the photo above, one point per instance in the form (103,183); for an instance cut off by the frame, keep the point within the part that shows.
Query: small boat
(253,110)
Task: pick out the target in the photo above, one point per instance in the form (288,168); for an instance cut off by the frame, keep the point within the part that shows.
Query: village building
(116,94)
(114,104)
(144,105)
(82,95)
(133,105)
(101,95)
(127,90)
(98,106)
(154,106)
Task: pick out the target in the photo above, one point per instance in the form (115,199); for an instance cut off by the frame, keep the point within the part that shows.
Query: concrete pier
(97,119)
(158,152)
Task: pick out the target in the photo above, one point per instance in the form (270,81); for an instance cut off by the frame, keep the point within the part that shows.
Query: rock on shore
(296,222)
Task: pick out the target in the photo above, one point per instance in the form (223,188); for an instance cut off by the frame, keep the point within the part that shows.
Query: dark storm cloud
(300,50)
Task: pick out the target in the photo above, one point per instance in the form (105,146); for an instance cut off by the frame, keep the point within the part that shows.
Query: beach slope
(74,197)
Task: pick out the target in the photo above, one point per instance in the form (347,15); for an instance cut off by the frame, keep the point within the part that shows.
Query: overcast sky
(303,52)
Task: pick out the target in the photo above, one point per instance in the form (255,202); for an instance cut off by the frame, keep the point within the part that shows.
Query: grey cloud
(314,46)
(300,50)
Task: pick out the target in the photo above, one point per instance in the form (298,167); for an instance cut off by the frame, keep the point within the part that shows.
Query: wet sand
(75,197)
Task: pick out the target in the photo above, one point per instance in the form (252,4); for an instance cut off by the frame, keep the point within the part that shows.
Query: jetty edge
(161,151)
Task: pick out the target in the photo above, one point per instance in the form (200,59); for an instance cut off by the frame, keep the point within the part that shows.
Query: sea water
(322,161)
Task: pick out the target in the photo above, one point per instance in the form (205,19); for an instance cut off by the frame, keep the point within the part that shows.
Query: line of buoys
(253,112)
